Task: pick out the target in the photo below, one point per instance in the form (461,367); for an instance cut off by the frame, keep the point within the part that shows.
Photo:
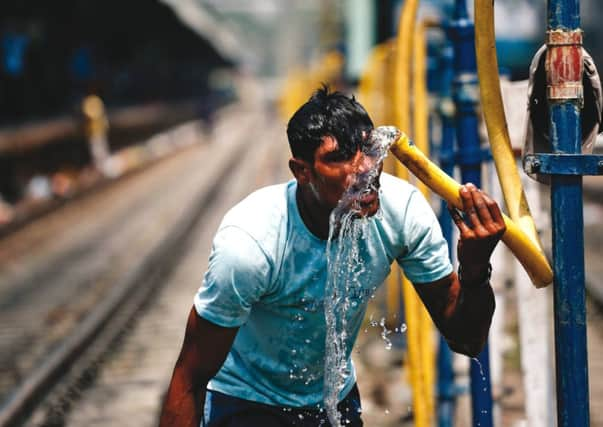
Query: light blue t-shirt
(267,274)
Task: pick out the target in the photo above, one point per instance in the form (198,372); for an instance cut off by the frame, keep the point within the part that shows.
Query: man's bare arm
(462,314)
(462,308)
(203,352)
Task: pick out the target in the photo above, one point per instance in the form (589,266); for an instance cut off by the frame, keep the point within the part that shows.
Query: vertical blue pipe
(446,387)
(462,32)
(568,248)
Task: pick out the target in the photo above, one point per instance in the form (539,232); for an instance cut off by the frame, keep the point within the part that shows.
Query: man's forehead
(330,142)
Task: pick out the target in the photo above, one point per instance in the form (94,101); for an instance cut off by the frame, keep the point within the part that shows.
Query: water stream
(345,267)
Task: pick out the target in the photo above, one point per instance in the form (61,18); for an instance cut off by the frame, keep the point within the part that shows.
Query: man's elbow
(470,349)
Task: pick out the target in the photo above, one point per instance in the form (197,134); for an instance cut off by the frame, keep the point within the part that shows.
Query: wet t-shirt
(267,274)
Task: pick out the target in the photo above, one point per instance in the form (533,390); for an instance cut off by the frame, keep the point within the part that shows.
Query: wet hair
(328,114)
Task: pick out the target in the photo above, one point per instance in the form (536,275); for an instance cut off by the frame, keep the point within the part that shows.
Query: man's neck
(315,218)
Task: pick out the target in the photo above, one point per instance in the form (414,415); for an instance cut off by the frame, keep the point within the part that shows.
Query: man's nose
(364,162)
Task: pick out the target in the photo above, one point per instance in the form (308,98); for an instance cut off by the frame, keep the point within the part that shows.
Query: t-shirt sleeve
(237,276)
(425,256)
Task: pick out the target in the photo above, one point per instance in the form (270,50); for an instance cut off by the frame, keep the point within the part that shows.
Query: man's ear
(301,170)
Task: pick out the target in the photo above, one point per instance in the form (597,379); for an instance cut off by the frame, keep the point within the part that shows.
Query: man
(255,338)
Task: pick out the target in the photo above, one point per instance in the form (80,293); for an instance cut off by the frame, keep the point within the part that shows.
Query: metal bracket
(484,155)
(563,164)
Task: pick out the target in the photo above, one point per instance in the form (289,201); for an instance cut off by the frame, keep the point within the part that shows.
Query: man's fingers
(468,205)
(458,220)
(479,201)
(494,211)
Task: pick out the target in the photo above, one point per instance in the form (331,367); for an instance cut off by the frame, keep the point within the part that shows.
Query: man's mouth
(368,198)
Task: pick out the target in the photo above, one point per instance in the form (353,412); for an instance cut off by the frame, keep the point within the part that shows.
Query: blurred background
(127,129)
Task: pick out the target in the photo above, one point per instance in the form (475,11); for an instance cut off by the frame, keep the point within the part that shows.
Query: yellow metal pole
(371,86)
(494,114)
(401,83)
(527,252)
(412,304)
(416,365)
(421,132)
(300,83)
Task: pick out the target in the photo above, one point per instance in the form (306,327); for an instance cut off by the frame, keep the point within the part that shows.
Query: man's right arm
(203,352)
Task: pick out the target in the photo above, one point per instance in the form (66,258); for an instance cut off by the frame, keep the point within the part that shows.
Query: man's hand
(481,226)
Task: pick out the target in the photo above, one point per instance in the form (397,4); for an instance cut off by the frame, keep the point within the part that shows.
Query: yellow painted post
(96,126)
(301,83)
(371,86)
(372,89)
(421,132)
(401,82)
(419,370)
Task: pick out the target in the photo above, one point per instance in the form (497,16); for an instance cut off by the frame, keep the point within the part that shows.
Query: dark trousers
(222,410)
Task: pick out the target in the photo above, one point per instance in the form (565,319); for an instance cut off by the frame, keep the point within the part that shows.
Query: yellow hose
(526,251)
(494,114)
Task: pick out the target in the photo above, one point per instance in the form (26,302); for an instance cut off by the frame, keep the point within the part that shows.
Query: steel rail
(123,301)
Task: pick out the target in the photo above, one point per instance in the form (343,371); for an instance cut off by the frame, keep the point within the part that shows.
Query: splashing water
(347,227)
(384,334)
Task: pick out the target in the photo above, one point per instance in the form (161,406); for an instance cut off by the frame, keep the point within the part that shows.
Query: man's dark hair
(328,114)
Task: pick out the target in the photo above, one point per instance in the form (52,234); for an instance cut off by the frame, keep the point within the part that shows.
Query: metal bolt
(535,165)
(531,164)
(600,165)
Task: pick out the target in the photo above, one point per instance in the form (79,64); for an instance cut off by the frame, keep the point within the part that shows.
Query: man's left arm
(462,307)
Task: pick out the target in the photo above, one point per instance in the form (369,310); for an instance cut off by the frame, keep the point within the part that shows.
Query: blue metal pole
(446,388)
(564,65)
(462,32)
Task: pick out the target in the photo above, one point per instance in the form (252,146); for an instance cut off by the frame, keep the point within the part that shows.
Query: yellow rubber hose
(494,114)
(527,252)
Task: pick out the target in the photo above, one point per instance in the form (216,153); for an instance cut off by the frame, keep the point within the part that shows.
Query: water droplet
(387,411)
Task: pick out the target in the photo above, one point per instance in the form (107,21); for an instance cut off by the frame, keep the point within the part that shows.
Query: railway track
(66,298)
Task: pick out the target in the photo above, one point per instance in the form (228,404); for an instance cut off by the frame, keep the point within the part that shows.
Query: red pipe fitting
(564,66)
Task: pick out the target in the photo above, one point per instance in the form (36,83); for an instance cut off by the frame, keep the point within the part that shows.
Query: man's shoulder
(262,214)
(395,189)
(266,200)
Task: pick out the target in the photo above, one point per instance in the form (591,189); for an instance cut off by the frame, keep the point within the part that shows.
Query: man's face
(334,172)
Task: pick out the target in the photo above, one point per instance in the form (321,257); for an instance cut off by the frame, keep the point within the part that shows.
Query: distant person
(268,269)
